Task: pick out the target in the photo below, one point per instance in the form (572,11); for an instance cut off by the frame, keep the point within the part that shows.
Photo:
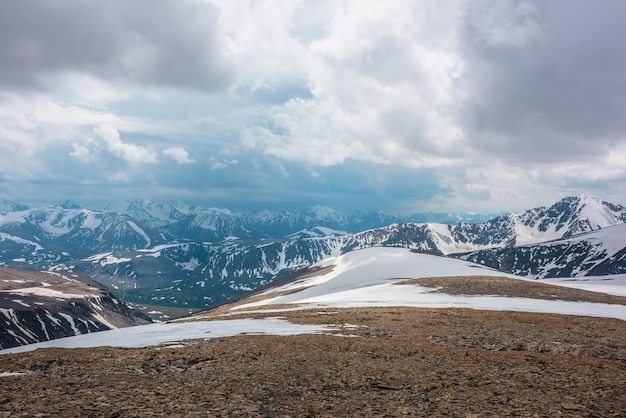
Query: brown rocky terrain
(380,362)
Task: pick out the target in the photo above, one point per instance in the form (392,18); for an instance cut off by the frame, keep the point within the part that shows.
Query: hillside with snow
(368,278)
(598,253)
(378,331)
(374,277)
(42,306)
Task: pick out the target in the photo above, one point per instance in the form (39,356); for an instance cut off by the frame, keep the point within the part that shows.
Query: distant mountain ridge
(54,234)
(188,256)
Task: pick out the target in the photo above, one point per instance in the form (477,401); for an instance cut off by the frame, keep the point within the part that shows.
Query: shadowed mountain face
(41,306)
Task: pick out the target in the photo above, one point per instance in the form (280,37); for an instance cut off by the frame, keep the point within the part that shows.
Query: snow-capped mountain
(597,253)
(198,274)
(7,206)
(189,256)
(34,238)
(41,306)
(41,237)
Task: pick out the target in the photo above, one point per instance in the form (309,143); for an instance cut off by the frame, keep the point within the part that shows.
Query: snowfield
(174,332)
(363,278)
(367,278)
(613,285)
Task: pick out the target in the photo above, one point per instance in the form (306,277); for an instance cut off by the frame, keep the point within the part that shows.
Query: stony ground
(381,362)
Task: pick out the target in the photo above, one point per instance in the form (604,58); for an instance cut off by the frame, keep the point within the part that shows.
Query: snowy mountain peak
(7,206)
(569,216)
(68,204)
(321,212)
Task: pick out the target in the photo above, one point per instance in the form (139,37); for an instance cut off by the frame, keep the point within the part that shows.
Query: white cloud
(178,154)
(81,152)
(258,37)
(133,154)
(505,101)
(382,92)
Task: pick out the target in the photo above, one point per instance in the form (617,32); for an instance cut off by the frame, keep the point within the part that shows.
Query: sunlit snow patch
(162,333)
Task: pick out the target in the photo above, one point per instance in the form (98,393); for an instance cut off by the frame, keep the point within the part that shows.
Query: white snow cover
(111,259)
(613,285)
(598,214)
(155,334)
(14,217)
(4,237)
(91,220)
(190,265)
(140,231)
(366,278)
(44,291)
(611,238)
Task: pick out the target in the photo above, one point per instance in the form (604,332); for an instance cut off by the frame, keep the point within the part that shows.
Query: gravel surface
(380,362)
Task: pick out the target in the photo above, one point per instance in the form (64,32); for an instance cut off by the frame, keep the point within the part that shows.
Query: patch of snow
(111,259)
(18,240)
(70,319)
(161,333)
(97,257)
(100,318)
(613,285)
(140,231)
(190,265)
(43,291)
(91,221)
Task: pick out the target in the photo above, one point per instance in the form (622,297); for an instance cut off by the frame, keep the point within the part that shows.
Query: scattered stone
(407,362)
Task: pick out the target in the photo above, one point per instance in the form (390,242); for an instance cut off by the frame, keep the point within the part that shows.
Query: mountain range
(179,255)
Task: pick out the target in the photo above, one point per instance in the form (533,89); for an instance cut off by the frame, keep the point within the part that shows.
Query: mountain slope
(598,253)
(42,306)
(368,278)
(382,276)
(200,274)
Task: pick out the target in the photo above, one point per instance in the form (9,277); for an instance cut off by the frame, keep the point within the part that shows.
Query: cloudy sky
(396,105)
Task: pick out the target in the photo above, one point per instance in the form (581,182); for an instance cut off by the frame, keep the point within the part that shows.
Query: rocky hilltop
(41,306)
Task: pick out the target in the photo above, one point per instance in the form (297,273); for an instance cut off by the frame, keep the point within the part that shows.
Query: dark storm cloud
(545,79)
(166,42)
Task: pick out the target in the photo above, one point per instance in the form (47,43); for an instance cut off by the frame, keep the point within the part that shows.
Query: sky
(395,105)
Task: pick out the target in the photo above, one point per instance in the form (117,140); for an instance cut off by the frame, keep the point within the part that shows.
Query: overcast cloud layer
(396,105)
